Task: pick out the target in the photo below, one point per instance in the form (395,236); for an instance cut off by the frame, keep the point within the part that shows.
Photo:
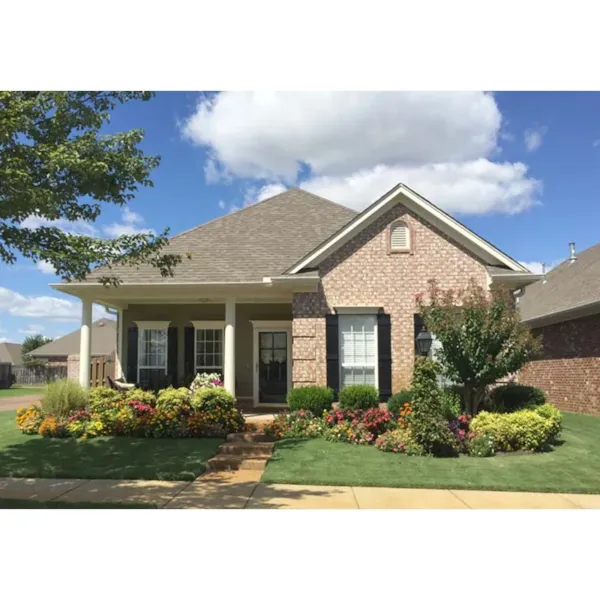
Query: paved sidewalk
(242,489)
(15,402)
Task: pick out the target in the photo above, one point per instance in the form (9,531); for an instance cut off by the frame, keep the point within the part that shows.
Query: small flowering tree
(482,337)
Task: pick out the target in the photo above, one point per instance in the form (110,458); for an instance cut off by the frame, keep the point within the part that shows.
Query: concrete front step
(249,437)
(234,463)
(249,449)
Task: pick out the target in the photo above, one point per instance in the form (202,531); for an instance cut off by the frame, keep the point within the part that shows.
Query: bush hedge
(527,429)
(314,398)
(514,396)
(359,397)
(63,397)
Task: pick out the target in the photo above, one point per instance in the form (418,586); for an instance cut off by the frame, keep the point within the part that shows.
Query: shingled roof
(104,340)
(262,240)
(568,286)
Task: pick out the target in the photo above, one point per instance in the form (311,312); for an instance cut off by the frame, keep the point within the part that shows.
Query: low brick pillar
(73,367)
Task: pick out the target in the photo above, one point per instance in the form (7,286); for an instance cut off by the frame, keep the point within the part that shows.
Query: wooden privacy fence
(102,367)
(38,375)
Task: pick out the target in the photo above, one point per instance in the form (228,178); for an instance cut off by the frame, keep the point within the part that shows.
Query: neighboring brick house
(564,309)
(294,290)
(56,353)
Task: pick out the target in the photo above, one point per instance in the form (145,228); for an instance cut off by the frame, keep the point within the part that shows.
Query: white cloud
(6,340)
(268,135)
(45,267)
(32,329)
(222,204)
(354,146)
(75,227)
(49,307)
(128,225)
(474,187)
(596,143)
(534,137)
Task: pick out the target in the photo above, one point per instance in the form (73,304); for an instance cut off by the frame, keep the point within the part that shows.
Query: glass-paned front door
(272,367)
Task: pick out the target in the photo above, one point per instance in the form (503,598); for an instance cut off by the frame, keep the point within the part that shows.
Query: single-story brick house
(292,291)
(564,308)
(56,352)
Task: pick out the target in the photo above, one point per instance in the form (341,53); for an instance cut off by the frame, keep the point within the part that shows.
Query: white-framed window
(399,237)
(153,349)
(358,349)
(208,346)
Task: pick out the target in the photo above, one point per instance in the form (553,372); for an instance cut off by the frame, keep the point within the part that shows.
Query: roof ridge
(240,210)
(337,204)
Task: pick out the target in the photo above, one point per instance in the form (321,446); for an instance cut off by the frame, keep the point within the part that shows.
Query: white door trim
(277,327)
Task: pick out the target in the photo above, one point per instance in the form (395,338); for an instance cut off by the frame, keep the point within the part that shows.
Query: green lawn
(22,390)
(101,458)
(11,503)
(574,465)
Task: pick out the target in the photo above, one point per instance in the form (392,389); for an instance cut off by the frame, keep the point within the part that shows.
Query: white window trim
(346,366)
(199,325)
(152,325)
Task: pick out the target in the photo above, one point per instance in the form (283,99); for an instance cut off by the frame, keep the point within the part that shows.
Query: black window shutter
(172,355)
(332,343)
(188,352)
(132,354)
(384,354)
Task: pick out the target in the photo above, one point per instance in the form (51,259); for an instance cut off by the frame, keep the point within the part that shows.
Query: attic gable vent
(399,237)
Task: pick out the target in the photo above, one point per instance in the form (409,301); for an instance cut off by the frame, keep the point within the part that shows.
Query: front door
(272,366)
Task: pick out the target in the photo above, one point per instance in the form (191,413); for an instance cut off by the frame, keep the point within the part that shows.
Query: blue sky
(521,169)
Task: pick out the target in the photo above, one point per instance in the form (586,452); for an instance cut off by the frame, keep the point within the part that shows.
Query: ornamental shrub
(359,396)
(429,427)
(482,445)
(171,398)
(554,416)
(398,400)
(205,380)
(139,395)
(103,398)
(29,419)
(218,408)
(520,430)
(212,398)
(315,398)
(451,404)
(514,396)
(62,397)
(400,441)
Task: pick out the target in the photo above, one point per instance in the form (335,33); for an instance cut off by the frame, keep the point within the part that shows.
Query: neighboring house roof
(261,240)
(104,339)
(570,290)
(425,209)
(11,353)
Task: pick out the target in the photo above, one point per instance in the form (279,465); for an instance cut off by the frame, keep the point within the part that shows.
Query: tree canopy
(482,337)
(57,166)
(31,342)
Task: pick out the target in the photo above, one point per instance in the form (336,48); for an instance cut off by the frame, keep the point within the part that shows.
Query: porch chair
(119,384)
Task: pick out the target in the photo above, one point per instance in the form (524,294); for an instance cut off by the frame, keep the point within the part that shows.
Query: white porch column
(85,344)
(229,358)
(119,348)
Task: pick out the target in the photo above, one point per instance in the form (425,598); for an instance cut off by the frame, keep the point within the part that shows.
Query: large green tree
(57,166)
(31,342)
(482,337)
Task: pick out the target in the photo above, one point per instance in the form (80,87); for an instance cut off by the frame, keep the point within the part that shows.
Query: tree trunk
(468,397)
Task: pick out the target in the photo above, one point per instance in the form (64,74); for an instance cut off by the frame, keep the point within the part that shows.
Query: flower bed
(207,411)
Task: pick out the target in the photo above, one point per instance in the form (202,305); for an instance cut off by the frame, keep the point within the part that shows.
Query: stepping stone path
(242,451)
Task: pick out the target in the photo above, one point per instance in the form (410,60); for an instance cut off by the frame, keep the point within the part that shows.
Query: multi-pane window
(152,354)
(209,350)
(358,349)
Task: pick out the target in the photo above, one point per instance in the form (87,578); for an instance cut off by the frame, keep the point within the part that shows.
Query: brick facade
(364,273)
(568,370)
